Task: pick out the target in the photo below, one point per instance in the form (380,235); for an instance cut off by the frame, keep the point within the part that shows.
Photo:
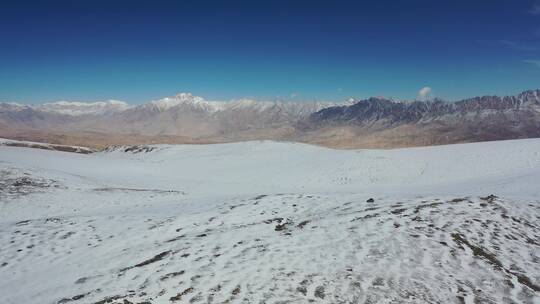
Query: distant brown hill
(370,123)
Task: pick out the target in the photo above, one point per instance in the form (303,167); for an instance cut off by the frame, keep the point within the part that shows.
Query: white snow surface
(271,222)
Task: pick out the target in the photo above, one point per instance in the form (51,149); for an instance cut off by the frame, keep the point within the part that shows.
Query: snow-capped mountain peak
(185,99)
(13,106)
(76,108)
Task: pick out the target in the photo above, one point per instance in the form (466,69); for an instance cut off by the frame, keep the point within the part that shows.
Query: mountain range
(369,123)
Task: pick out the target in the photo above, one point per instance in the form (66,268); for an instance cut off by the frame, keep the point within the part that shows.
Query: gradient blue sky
(302,50)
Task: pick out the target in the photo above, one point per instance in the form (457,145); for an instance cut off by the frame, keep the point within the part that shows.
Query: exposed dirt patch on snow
(15,183)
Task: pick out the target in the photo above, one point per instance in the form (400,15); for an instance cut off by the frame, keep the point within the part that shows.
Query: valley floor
(266,222)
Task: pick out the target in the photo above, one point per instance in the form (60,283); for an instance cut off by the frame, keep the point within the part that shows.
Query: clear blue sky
(302,50)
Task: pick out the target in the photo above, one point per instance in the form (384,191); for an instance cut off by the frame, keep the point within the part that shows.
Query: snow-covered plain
(269,222)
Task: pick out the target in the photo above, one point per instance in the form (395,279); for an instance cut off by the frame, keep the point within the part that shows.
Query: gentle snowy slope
(272,167)
(267,222)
